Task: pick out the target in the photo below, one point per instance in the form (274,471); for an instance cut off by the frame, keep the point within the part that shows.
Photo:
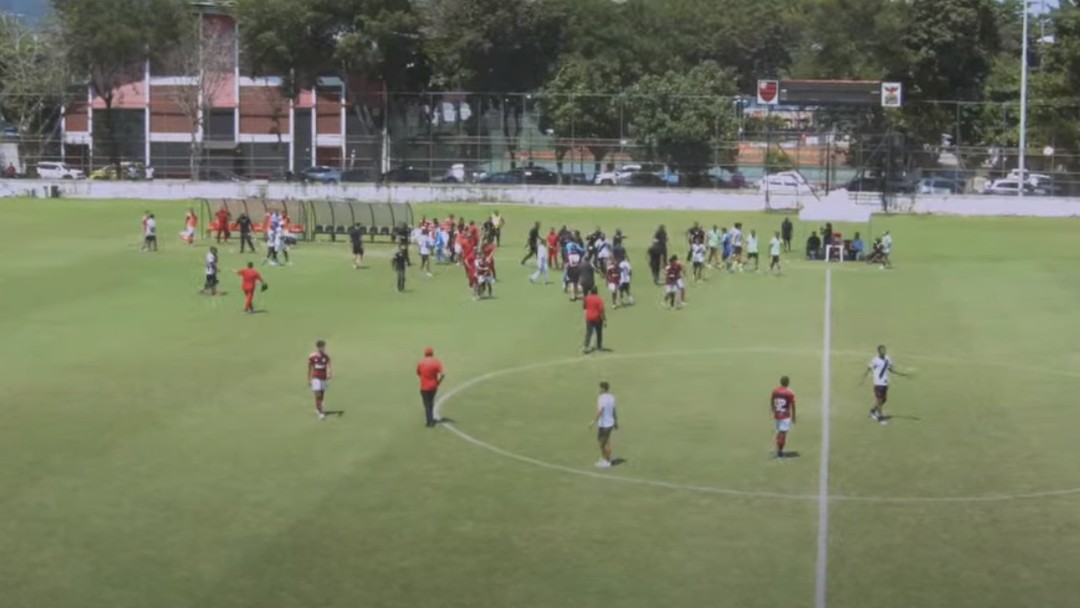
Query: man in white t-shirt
(606,422)
(752,249)
(880,366)
(210,287)
(737,247)
(774,252)
(149,233)
(625,272)
(425,243)
(541,263)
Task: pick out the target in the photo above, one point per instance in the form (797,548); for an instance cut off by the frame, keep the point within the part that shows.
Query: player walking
(223,219)
(672,281)
(736,248)
(424,244)
(543,260)
(774,252)
(149,233)
(319,374)
(880,366)
(190,222)
(210,287)
(244,224)
(595,320)
(249,279)
(752,249)
(400,262)
(697,255)
(612,276)
(625,273)
(606,422)
(356,237)
(782,406)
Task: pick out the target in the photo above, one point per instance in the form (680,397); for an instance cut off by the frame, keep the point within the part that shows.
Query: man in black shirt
(813,246)
(357,239)
(587,276)
(400,262)
(656,261)
(244,223)
(534,234)
(660,239)
(786,230)
(618,250)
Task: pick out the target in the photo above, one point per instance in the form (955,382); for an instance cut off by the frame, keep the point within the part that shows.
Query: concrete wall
(560,196)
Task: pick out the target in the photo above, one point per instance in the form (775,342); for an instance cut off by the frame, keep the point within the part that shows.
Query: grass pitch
(157,448)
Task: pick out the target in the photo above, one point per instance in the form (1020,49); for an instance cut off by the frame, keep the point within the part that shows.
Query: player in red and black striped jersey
(782,407)
(612,275)
(319,374)
(673,281)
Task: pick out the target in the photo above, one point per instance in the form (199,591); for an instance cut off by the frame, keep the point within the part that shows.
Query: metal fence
(587,139)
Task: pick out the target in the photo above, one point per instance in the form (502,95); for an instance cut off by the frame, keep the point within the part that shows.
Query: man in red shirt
(553,249)
(673,282)
(782,406)
(595,320)
(430,371)
(319,373)
(489,256)
(250,278)
(223,219)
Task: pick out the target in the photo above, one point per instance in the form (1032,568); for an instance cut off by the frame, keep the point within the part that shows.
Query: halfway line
(823,474)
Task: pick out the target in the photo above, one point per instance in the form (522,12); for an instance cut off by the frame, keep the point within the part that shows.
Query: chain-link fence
(939,148)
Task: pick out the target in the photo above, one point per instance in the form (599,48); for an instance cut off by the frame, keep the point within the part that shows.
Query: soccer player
(774,252)
(736,248)
(244,224)
(319,374)
(697,255)
(586,276)
(880,366)
(672,280)
(190,222)
(606,421)
(612,276)
(210,287)
(223,219)
(572,269)
(424,243)
(484,278)
(149,233)
(281,244)
(782,406)
(250,278)
(595,320)
(752,249)
(786,229)
(713,237)
(357,239)
(625,273)
(430,371)
(530,244)
(400,262)
(543,260)
(553,248)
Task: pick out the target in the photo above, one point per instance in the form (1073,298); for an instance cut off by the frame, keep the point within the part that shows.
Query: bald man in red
(430,371)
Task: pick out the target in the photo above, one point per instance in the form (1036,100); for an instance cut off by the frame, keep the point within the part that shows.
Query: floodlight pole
(1023,103)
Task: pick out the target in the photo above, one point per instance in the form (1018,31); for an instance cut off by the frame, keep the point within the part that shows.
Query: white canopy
(836,207)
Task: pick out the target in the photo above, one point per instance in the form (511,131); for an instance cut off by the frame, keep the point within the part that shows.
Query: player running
(319,374)
(190,222)
(249,279)
(782,406)
(149,233)
(612,276)
(210,287)
(484,278)
(880,366)
(606,422)
(774,252)
(697,255)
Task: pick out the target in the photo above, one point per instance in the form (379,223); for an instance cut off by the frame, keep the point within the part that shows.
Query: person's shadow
(618,461)
(337,413)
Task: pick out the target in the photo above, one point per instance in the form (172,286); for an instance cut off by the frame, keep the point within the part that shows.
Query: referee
(430,371)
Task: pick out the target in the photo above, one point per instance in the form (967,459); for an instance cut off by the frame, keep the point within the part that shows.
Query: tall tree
(685,119)
(35,83)
(110,42)
(581,105)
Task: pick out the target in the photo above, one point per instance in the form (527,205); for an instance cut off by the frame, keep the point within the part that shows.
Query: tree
(35,83)
(205,54)
(581,104)
(110,41)
(495,47)
(686,119)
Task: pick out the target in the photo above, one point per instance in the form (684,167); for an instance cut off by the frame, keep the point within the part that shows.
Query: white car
(621,176)
(1009,186)
(1035,179)
(785,182)
(50,170)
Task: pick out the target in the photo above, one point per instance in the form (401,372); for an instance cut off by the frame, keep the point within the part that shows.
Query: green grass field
(158,448)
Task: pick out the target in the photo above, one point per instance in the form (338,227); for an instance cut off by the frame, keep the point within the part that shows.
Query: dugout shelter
(310,219)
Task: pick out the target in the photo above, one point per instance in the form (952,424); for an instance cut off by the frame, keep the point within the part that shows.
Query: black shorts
(603,435)
(574,274)
(881,393)
(699,265)
(211,279)
(358,250)
(752,256)
(624,288)
(738,251)
(775,259)
(151,239)
(587,286)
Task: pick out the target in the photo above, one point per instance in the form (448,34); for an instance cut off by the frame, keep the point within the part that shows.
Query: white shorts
(188,233)
(319,385)
(671,288)
(783,426)
(680,284)
(457,248)
(485,279)
(613,287)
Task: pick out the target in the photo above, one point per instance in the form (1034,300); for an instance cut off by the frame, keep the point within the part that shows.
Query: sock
(780,441)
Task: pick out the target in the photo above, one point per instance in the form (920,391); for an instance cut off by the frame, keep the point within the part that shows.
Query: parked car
(785,182)
(9,132)
(523,175)
(220,175)
(51,170)
(1007,186)
(938,186)
(621,176)
(321,174)
(642,179)
(1035,179)
(128,171)
(460,173)
(406,175)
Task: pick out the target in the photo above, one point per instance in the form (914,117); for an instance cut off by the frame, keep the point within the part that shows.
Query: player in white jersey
(736,248)
(881,367)
(774,252)
(697,256)
(625,272)
(541,263)
(424,243)
(210,287)
(752,249)
(149,233)
(606,421)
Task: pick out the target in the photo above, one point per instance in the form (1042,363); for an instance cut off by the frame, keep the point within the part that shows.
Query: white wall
(562,196)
